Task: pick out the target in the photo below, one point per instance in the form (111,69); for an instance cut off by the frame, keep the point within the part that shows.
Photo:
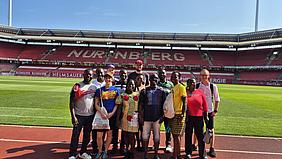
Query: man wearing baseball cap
(138,70)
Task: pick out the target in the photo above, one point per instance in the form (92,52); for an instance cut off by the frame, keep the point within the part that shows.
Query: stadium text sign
(132,55)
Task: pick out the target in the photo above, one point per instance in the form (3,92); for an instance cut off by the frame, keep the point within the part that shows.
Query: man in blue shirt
(151,113)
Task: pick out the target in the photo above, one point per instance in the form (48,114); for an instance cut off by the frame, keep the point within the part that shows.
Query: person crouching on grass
(82,114)
(198,108)
(129,117)
(151,113)
(107,95)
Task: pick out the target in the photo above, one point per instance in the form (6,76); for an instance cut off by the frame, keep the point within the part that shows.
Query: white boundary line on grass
(232,136)
(219,150)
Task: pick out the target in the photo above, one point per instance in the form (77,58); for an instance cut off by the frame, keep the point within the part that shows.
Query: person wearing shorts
(177,123)
(107,96)
(212,96)
(151,113)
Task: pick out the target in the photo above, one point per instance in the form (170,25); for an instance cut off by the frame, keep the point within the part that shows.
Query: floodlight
(275,52)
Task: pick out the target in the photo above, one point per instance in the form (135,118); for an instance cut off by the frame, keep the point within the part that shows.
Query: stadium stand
(10,51)
(6,68)
(232,58)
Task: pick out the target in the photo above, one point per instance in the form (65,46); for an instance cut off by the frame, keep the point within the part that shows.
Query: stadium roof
(251,39)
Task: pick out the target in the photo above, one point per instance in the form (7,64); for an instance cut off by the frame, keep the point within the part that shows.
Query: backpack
(211,88)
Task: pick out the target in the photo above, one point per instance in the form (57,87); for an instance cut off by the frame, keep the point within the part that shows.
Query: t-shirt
(83,98)
(133,76)
(197,103)
(99,84)
(152,100)
(167,86)
(120,86)
(109,96)
(179,91)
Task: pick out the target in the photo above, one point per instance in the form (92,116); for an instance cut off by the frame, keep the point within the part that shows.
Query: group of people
(134,104)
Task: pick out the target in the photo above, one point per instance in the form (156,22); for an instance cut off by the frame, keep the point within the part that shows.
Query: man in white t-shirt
(82,114)
(212,97)
(99,81)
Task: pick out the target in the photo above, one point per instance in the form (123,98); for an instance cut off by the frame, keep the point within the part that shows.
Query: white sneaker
(85,156)
(72,157)
(168,149)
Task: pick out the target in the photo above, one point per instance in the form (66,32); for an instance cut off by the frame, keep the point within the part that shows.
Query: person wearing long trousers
(196,113)
(82,114)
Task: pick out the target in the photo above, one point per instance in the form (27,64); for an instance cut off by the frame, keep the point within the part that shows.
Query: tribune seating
(10,51)
(6,67)
(252,57)
(34,52)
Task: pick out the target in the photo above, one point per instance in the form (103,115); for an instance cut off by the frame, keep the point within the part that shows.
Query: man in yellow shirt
(179,103)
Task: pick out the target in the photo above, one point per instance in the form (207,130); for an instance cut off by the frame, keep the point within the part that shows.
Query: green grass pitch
(244,110)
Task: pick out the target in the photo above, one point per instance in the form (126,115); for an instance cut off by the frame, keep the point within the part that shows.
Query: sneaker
(104,155)
(72,157)
(84,156)
(212,153)
(98,156)
(156,157)
(168,149)
(187,156)
(194,147)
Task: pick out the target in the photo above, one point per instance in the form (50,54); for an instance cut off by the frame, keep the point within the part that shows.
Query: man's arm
(184,106)
(71,107)
(140,107)
(216,100)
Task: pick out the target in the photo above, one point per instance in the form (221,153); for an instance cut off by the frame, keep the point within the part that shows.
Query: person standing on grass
(167,86)
(198,108)
(82,114)
(212,96)
(128,117)
(151,113)
(98,82)
(177,123)
(107,96)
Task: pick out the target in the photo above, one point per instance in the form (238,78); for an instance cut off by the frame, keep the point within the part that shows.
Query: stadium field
(244,110)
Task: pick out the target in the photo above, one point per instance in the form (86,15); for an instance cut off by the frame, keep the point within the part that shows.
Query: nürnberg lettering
(131,55)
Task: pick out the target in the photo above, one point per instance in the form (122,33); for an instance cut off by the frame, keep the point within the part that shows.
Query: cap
(139,62)
(111,66)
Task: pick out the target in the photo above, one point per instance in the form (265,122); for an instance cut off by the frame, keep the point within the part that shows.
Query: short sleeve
(118,93)
(216,94)
(97,93)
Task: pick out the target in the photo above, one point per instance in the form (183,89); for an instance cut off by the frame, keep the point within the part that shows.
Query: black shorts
(210,123)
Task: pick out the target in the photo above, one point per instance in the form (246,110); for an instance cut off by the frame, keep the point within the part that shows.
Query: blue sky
(175,16)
